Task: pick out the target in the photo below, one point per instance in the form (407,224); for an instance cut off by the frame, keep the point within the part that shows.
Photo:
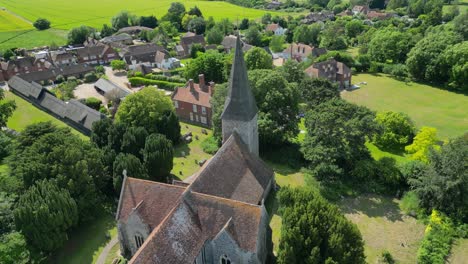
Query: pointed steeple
(240,102)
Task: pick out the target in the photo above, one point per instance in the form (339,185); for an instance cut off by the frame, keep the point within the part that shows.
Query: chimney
(211,88)
(190,83)
(201,83)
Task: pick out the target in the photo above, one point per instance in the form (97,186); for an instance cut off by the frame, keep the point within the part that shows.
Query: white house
(276,29)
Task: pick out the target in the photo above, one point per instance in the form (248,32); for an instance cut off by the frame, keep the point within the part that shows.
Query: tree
(266,18)
(42,24)
(131,164)
(6,108)
(329,37)
(211,64)
(394,4)
(14,249)
(106,31)
(258,58)
(307,34)
(133,141)
(340,56)
(292,71)
(390,45)
(78,35)
(353,28)
(45,213)
(6,213)
(455,60)
(175,13)
(118,65)
(422,143)
(424,58)
(244,24)
(214,36)
(317,90)
(158,157)
(397,130)
(315,231)
(148,21)
(73,164)
(144,109)
(459,25)
(253,37)
(195,11)
(124,19)
(444,183)
(100,132)
(197,25)
(276,43)
(8,54)
(196,50)
(225,25)
(332,151)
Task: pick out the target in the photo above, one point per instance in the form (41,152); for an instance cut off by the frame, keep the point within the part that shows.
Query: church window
(225,260)
(139,241)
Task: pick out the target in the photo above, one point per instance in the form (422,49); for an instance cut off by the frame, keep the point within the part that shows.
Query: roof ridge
(155,182)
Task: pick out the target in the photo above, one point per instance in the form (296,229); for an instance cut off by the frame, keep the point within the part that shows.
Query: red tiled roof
(272,27)
(197,96)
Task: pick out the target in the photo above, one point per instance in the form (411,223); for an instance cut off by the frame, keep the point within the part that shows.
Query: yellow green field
(10,22)
(66,15)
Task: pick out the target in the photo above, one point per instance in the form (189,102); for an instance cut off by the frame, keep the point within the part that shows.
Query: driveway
(120,78)
(87,90)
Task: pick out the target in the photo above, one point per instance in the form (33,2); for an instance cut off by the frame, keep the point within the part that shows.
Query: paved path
(105,251)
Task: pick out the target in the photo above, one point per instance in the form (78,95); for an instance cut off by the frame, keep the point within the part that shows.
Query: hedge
(437,241)
(139,81)
(164,78)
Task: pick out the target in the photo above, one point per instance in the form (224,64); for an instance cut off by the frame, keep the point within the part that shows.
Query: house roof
(240,103)
(272,27)
(189,40)
(94,51)
(89,42)
(160,57)
(23,62)
(116,38)
(229,42)
(60,55)
(25,88)
(133,29)
(234,173)
(82,114)
(53,104)
(194,96)
(107,86)
(195,219)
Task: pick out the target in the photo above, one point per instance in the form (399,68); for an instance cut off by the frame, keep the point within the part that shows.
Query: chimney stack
(192,88)
(211,88)
(201,82)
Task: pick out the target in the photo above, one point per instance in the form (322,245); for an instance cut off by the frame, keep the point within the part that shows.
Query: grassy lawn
(426,105)
(86,243)
(27,114)
(96,13)
(459,254)
(384,227)
(31,38)
(113,253)
(378,154)
(193,152)
(10,22)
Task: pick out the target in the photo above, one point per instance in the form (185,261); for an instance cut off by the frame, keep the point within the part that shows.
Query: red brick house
(101,54)
(192,102)
(22,66)
(332,70)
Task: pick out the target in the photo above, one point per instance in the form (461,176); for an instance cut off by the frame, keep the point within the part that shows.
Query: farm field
(93,13)
(32,38)
(10,22)
(426,105)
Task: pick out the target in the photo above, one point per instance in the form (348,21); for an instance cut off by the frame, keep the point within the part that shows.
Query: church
(218,214)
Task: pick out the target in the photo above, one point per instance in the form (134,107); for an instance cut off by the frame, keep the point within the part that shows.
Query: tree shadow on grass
(182,149)
(373,206)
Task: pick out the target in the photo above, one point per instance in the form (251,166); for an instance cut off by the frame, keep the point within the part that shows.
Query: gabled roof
(234,173)
(229,42)
(240,103)
(272,27)
(189,40)
(25,88)
(93,50)
(107,86)
(116,38)
(134,29)
(195,96)
(195,219)
(82,114)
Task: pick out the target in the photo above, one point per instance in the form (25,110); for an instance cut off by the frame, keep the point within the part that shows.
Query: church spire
(240,102)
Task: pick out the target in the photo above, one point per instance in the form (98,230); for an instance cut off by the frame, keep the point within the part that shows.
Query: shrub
(6,146)
(42,24)
(164,78)
(93,102)
(139,81)
(437,241)
(387,257)
(60,79)
(64,91)
(410,205)
(397,130)
(90,77)
(100,69)
(210,145)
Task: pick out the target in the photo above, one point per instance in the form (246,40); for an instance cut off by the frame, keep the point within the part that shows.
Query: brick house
(360,9)
(186,43)
(101,54)
(192,102)
(23,66)
(141,54)
(276,29)
(62,58)
(301,52)
(332,70)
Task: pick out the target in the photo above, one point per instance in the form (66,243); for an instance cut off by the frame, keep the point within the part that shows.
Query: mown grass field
(10,22)
(65,15)
(32,38)
(426,105)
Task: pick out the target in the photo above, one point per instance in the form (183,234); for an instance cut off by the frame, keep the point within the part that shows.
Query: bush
(164,78)
(42,24)
(90,77)
(64,91)
(100,69)
(397,130)
(387,257)
(93,102)
(210,145)
(60,79)
(437,241)
(139,81)
(410,205)
(6,146)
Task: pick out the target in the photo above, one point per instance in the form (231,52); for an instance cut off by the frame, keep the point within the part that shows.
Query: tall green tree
(211,64)
(78,35)
(425,139)
(14,249)
(133,167)
(308,34)
(158,157)
(276,43)
(253,36)
(148,21)
(292,71)
(124,19)
(214,36)
(133,141)
(258,58)
(390,45)
(397,130)
(7,107)
(106,31)
(317,90)
(45,213)
(443,185)
(315,231)
(455,62)
(175,13)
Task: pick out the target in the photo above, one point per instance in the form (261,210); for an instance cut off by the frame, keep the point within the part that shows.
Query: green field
(10,22)
(65,15)
(31,38)
(426,105)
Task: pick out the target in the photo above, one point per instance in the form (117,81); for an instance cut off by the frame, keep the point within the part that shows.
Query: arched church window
(139,240)
(225,260)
